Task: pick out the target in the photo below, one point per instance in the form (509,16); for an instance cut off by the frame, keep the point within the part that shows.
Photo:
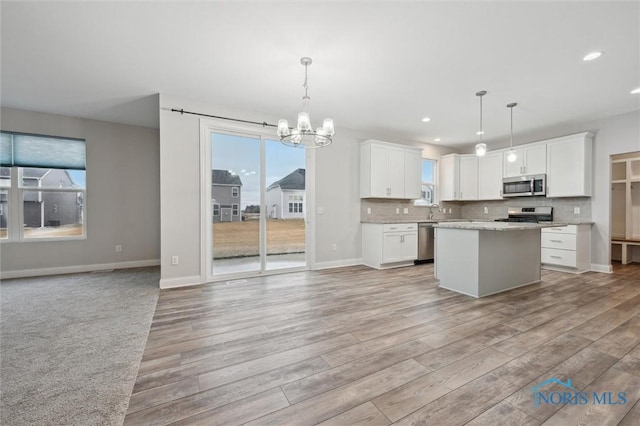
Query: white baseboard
(607,269)
(180,282)
(337,264)
(58,270)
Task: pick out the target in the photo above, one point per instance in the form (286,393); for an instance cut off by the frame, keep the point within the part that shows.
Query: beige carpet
(70,345)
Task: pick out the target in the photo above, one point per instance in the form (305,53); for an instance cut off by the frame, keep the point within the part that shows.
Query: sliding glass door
(257,205)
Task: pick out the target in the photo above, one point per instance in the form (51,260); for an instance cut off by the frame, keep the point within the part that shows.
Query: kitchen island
(483,258)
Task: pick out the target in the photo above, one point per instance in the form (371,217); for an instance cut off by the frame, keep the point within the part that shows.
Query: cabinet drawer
(399,227)
(559,257)
(568,229)
(559,241)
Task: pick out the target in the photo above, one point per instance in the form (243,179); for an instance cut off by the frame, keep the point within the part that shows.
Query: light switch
(368,210)
(576,210)
(406,210)
(486,210)
(320,210)
(397,210)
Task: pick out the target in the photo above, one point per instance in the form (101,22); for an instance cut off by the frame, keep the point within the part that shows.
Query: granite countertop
(547,224)
(497,226)
(570,222)
(386,221)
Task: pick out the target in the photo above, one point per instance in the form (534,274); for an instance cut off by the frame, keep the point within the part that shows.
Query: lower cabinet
(566,248)
(389,245)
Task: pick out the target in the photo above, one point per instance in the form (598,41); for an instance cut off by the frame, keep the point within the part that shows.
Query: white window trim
(421,202)
(235,208)
(15,209)
(235,191)
(214,209)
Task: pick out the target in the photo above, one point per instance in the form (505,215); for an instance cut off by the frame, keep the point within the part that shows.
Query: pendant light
(303,134)
(511,155)
(481,148)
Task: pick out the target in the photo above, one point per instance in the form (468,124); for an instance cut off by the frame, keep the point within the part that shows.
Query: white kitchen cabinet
(566,248)
(449,172)
(389,245)
(458,177)
(390,170)
(468,177)
(490,176)
(569,166)
(531,160)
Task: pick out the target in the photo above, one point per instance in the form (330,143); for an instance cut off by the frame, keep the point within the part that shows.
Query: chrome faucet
(431,210)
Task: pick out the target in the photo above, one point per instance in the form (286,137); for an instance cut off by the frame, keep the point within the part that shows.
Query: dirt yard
(49,231)
(231,239)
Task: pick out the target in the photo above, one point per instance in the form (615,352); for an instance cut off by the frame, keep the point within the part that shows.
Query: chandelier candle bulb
(283,127)
(327,126)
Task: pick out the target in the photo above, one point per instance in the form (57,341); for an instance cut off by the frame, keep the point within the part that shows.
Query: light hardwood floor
(362,346)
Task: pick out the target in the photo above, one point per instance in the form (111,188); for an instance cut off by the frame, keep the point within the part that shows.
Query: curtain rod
(263,124)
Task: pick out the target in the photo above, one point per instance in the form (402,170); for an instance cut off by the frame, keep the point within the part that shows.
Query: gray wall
(123,195)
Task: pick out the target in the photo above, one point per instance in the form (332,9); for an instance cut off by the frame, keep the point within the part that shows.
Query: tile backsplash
(383,210)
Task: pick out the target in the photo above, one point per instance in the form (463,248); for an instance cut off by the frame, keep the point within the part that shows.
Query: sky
(241,155)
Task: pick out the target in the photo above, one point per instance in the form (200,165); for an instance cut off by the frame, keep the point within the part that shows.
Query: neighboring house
(226,194)
(45,208)
(286,198)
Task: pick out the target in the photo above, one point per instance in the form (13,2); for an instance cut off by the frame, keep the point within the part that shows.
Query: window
(235,191)
(428,183)
(45,186)
(235,210)
(295,203)
(216,209)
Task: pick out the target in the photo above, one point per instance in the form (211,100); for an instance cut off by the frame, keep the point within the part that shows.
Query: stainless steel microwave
(524,186)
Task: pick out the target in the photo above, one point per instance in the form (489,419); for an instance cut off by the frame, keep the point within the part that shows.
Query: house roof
(294,180)
(223,177)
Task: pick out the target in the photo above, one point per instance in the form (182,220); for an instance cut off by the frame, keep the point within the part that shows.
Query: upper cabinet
(569,166)
(390,170)
(531,160)
(468,177)
(449,179)
(490,176)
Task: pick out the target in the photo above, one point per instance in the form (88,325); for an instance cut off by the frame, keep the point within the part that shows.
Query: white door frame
(208,126)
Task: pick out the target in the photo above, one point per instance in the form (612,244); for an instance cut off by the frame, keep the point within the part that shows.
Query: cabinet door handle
(557,229)
(556,241)
(402,238)
(393,227)
(557,257)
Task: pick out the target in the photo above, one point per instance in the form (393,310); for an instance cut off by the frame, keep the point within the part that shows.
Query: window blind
(47,152)
(6,150)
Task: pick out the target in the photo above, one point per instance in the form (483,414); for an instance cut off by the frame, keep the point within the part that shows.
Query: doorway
(261,190)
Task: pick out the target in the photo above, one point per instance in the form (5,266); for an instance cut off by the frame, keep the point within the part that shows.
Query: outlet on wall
(576,210)
(334,247)
(118,248)
(406,210)
(368,210)
(174,260)
(397,210)
(486,210)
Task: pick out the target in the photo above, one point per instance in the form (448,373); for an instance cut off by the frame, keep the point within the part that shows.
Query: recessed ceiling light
(437,140)
(426,120)
(635,91)
(479,132)
(591,56)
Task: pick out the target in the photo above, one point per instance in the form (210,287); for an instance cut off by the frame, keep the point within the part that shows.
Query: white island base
(480,262)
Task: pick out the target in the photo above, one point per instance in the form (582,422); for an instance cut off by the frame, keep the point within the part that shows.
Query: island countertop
(497,226)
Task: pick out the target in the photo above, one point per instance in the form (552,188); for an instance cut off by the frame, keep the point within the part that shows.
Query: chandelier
(303,134)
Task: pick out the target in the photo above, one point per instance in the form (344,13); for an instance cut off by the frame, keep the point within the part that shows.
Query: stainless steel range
(528,214)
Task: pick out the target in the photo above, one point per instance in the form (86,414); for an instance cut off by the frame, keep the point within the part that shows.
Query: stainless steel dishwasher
(425,242)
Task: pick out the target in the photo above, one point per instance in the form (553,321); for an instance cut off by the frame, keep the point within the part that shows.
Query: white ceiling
(378,67)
